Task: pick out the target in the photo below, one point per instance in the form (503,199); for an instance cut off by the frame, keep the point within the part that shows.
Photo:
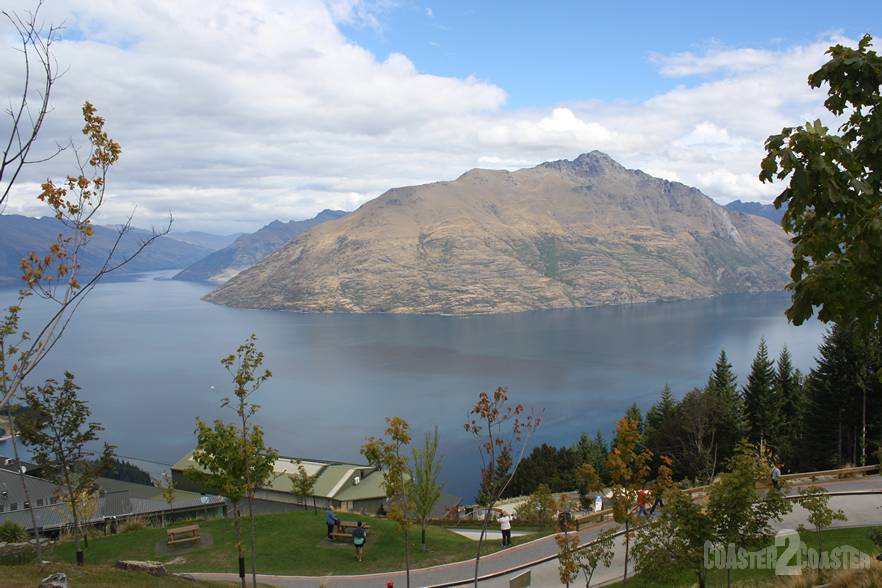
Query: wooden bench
(189,534)
(339,535)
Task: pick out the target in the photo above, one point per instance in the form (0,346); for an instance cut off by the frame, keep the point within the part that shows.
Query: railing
(554,556)
(698,491)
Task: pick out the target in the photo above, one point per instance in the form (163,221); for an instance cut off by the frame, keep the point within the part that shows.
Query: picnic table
(188,534)
(344,529)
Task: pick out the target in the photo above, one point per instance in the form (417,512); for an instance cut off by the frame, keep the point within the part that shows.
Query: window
(13,506)
(39,502)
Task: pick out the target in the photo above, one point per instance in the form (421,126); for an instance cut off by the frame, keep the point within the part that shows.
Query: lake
(147,356)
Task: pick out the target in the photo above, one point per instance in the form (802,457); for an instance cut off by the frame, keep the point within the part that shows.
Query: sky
(233,113)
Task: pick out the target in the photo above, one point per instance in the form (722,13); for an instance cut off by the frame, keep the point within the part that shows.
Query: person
(776,476)
(505,526)
(331,521)
(658,502)
(359,537)
(641,503)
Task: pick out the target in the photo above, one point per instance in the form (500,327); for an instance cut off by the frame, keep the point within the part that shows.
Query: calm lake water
(146,354)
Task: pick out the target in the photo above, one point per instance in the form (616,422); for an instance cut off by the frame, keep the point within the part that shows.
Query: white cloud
(234,113)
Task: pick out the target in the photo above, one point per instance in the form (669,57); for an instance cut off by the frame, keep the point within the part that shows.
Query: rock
(154,568)
(57,580)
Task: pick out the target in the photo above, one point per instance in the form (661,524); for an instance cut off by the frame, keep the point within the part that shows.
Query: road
(861,510)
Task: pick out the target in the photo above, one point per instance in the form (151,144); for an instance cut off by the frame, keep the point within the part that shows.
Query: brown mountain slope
(562,234)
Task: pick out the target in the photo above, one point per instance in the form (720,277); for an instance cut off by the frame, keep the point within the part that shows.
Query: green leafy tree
(389,454)
(257,460)
(222,469)
(169,492)
(629,467)
(233,458)
(426,486)
(675,541)
(10,532)
(833,197)
(574,559)
(538,509)
(739,515)
(302,485)
(502,432)
(761,398)
(56,428)
(816,501)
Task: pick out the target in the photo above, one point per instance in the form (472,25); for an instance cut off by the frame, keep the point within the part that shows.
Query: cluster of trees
(120,469)
(828,418)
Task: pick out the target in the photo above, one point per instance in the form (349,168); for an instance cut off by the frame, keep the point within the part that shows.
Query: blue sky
(560,51)
(233,113)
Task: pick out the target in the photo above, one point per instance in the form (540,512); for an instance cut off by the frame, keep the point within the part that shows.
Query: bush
(539,508)
(12,533)
(17,554)
(133,524)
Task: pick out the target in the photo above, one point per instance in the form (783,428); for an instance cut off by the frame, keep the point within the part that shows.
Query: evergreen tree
(729,426)
(761,400)
(789,390)
(594,452)
(662,426)
(633,413)
(835,392)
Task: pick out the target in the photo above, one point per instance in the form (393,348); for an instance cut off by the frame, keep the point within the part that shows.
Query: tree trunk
(253,546)
(406,555)
(820,545)
(864,426)
(701,579)
(27,495)
(481,542)
(627,548)
(238,528)
(423,535)
(728,577)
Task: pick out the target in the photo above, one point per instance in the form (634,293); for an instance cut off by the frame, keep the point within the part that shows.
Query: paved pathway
(861,511)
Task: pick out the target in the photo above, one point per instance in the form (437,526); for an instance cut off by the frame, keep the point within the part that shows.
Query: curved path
(861,510)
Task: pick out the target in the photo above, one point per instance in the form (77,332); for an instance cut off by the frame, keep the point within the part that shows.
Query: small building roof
(335,480)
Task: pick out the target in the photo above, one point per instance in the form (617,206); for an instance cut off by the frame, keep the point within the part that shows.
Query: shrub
(538,509)
(133,524)
(12,533)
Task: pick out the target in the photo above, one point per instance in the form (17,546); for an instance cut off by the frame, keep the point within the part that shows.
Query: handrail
(553,556)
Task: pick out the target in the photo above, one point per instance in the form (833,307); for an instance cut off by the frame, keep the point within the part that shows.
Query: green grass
(856,537)
(289,543)
(94,577)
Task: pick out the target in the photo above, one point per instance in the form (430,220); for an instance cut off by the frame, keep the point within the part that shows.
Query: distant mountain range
(210,241)
(19,235)
(758,209)
(248,249)
(562,234)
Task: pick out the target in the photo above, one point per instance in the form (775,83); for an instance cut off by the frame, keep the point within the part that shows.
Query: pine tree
(730,426)
(790,392)
(761,400)
(662,427)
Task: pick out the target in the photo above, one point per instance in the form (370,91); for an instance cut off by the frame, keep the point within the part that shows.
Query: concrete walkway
(860,510)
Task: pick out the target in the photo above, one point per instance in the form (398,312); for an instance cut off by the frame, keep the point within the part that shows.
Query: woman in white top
(505,526)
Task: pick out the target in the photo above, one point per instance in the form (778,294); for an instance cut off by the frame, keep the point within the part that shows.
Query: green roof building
(345,486)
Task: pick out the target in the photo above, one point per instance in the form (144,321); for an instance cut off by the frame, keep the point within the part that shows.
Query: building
(345,486)
(116,500)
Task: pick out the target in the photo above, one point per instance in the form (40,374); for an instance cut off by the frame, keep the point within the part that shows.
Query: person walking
(359,538)
(641,503)
(776,476)
(331,521)
(505,526)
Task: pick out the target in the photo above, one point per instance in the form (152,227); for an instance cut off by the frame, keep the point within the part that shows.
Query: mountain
(248,249)
(19,235)
(561,234)
(758,209)
(210,241)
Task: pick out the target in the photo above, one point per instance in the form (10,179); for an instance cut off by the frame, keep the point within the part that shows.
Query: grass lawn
(288,543)
(93,576)
(856,537)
